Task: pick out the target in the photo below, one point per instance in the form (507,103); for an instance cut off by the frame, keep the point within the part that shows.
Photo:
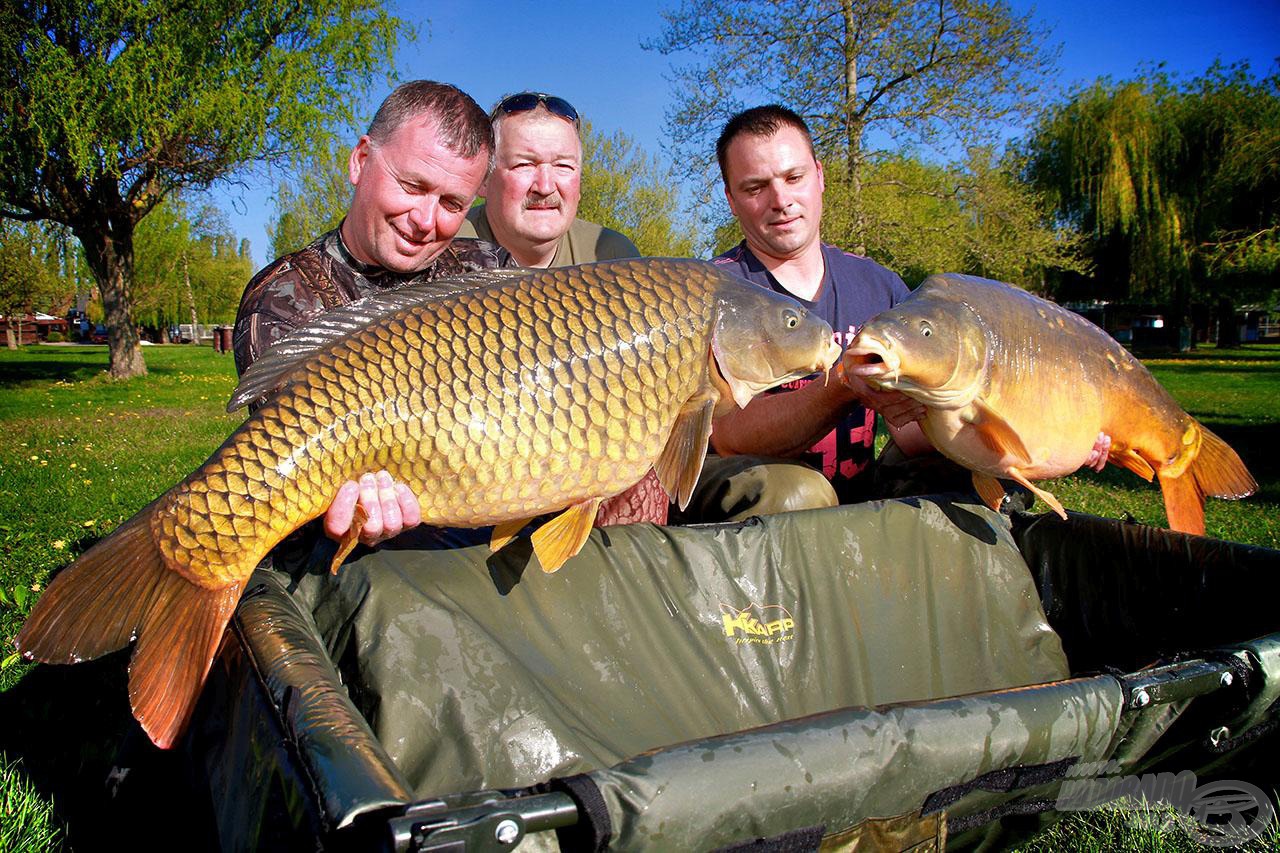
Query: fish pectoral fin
(1017,476)
(1135,463)
(680,464)
(506,531)
(989,489)
(563,536)
(350,539)
(998,435)
(1183,504)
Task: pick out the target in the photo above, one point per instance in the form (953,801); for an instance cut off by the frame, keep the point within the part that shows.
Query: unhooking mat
(478,670)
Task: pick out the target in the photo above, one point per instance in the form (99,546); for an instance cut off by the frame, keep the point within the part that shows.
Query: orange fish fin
(998,435)
(1183,503)
(98,603)
(176,647)
(121,589)
(1016,476)
(505,531)
(350,539)
(1135,463)
(989,489)
(680,464)
(1219,470)
(563,536)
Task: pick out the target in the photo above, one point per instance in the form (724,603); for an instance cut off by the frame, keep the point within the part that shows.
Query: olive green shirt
(584,243)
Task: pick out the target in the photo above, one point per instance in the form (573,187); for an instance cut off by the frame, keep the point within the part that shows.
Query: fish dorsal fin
(563,536)
(269,372)
(680,464)
(997,434)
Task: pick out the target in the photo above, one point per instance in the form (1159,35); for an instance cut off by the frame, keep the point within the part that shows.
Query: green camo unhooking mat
(478,670)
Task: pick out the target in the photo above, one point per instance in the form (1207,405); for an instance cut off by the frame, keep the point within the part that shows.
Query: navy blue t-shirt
(854,289)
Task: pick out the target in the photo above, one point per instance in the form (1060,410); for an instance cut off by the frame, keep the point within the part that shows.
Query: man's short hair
(464,127)
(758,121)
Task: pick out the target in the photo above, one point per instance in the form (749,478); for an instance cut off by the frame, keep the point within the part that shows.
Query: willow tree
(109,106)
(1177,186)
(873,80)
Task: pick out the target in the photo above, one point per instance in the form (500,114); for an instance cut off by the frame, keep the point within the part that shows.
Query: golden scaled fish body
(1017,387)
(497,398)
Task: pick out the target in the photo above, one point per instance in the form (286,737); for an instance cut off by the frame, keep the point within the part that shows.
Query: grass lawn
(80,453)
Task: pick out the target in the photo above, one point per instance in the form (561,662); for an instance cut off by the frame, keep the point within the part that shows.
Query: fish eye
(790,318)
(926,329)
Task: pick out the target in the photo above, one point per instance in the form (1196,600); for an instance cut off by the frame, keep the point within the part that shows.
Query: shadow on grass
(80,747)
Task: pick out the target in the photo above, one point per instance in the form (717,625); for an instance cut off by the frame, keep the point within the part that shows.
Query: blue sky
(590,54)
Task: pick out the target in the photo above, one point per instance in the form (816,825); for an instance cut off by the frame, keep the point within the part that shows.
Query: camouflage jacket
(294,289)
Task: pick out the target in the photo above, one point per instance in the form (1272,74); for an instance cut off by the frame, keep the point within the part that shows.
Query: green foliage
(1176,186)
(314,202)
(29,823)
(189,267)
(873,81)
(108,107)
(625,189)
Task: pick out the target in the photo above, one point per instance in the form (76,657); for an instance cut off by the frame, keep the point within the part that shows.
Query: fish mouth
(871,359)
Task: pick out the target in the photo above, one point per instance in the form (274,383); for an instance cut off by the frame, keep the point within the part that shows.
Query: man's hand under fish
(389,507)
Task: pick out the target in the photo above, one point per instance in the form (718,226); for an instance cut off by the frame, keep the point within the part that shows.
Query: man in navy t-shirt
(774,185)
(770,453)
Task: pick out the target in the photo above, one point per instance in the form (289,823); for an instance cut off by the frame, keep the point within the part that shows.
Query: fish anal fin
(989,489)
(1135,463)
(350,539)
(1183,503)
(1018,477)
(505,531)
(1219,471)
(563,536)
(680,463)
(175,650)
(997,434)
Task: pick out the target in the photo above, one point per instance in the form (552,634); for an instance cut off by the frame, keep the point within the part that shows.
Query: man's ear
(357,159)
(729,198)
(822,182)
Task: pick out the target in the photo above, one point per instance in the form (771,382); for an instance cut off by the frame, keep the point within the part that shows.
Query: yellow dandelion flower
(88,482)
(91,522)
(73,464)
(59,544)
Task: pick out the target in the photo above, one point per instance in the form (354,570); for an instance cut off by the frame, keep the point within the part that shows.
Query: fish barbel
(1016,387)
(497,398)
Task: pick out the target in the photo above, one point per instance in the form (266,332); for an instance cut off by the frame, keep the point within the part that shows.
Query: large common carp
(1017,387)
(497,398)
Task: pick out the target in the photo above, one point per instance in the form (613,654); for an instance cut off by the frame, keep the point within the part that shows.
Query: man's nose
(779,198)
(422,216)
(543,181)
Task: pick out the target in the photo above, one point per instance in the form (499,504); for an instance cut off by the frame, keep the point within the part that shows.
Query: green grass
(80,453)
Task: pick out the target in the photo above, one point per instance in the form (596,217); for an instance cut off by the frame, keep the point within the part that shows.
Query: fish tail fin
(1219,471)
(1183,503)
(122,589)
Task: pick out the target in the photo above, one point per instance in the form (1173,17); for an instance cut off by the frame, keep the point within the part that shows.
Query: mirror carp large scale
(497,397)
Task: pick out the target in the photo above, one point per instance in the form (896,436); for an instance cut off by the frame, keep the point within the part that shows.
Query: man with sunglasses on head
(530,210)
(415,173)
(531,196)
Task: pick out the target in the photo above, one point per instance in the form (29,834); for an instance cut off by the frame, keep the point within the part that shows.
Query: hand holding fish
(894,406)
(389,508)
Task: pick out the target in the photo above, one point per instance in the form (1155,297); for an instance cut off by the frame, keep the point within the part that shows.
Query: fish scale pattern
(500,403)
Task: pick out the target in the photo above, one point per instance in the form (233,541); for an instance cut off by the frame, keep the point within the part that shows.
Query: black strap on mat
(594,828)
(999,781)
(804,840)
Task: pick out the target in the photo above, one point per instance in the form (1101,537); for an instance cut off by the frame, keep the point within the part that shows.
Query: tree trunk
(853,126)
(110,259)
(191,300)
(10,337)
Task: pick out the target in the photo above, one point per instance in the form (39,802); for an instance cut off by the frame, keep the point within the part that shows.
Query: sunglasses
(526,101)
